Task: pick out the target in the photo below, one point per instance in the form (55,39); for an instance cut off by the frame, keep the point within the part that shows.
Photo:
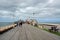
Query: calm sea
(2,24)
(49,22)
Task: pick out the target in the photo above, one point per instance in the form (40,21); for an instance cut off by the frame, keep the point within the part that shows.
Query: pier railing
(3,29)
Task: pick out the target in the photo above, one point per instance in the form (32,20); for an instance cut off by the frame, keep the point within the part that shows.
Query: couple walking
(19,24)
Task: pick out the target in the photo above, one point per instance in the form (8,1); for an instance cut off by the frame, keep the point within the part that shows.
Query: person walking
(20,24)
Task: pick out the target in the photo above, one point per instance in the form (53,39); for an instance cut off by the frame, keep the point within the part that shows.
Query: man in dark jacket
(20,24)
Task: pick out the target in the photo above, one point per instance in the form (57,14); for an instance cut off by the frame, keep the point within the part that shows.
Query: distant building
(32,21)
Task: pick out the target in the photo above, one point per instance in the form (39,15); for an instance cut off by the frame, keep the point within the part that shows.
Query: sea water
(49,22)
(3,24)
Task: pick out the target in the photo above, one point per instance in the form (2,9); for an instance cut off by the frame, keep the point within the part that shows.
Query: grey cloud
(55,4)
(35,2)
(10,5)
(27,7)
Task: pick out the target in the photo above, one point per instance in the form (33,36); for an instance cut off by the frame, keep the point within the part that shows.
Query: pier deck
(27,32)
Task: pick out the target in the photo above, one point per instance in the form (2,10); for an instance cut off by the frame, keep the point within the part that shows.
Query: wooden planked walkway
(27,32)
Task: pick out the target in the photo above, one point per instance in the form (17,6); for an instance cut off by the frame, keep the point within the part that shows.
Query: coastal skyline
(45,10)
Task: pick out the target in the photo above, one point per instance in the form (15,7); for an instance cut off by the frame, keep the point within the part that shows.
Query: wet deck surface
(28,32)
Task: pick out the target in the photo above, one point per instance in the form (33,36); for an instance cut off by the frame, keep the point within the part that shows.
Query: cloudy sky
(44,10)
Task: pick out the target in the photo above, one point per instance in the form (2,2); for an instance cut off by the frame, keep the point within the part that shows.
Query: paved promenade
(27,32)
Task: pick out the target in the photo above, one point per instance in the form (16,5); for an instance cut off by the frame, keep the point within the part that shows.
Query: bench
(53,29)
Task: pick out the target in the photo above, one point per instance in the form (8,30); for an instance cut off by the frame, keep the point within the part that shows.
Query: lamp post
(33,15)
